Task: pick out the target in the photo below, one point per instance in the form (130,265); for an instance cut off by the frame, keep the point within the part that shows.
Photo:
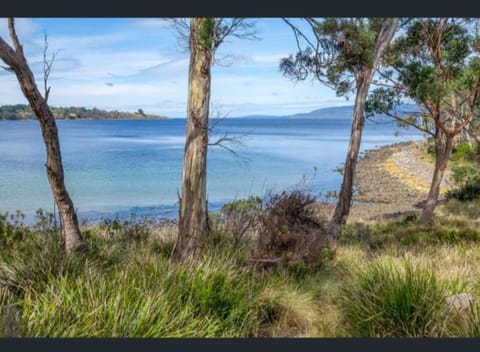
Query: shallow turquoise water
(116,166)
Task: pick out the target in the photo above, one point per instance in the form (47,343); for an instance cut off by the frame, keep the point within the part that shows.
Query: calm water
(116,166)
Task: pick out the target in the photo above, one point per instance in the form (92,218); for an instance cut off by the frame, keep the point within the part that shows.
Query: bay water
(116,167)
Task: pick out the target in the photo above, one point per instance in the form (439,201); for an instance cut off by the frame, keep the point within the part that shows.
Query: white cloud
(24,27)
(153,75)
(151,23)
(268,58)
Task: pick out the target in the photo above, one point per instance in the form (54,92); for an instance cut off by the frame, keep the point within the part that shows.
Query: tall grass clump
(385,299)
(33,262)
(149,297)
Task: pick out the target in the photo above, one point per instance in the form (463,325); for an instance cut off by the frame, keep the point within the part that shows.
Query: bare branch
(181,28)
(236,27)
(299,34)
(47,66)
(226,141)
(240,28)
(7,68)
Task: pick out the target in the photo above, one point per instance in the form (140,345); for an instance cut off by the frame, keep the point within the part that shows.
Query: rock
(461,306)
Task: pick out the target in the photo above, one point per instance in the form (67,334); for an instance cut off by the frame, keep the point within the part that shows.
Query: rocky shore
(393,181)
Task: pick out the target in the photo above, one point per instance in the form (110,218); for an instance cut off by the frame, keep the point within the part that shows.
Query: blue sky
(127,64)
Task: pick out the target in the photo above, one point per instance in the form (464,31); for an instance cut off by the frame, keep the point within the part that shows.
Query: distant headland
(24,112)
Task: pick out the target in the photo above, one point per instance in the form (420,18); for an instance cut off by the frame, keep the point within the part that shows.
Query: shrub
(12,230)
(240,216)
(387,300)
(467,192)
(289,230)
(465,151)
(130,231)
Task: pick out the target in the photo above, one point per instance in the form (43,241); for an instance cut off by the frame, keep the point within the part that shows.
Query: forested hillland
(24,112)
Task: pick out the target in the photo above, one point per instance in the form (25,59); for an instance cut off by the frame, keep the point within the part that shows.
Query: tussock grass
(384,299)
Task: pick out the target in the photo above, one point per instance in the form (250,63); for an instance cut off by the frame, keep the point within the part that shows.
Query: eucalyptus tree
(16,62)
(205,35)
(435,66)
(343,54)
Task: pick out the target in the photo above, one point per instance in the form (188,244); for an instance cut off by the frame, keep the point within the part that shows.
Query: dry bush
(289,230)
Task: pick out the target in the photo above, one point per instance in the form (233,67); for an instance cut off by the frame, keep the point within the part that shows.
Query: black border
(240,345)
(237,8)
(244,8)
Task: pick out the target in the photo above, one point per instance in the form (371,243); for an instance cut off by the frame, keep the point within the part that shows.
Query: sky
(128,64)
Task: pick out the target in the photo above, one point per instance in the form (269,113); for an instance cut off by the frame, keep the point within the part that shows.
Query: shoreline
(391,182)
(394,181)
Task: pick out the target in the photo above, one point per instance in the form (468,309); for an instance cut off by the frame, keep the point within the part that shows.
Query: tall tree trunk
(442,154)
(342,208)
(17,63)
(193,226)
(364,80)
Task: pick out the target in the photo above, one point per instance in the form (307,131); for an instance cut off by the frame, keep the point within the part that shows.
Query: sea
(120,168)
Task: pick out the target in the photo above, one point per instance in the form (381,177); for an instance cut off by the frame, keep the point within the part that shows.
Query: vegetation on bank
(383,279)
(466,172)
(24,112)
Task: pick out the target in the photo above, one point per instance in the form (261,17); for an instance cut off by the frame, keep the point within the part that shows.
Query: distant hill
(335,112)
(338,111)
(24,112)
(332,112)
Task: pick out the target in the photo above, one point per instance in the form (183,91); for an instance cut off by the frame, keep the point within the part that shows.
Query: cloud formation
(127,64)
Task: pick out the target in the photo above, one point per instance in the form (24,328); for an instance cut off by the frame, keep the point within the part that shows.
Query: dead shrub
(289,230)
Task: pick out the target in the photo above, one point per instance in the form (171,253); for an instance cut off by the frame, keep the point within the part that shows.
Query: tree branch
(47,66)
(13,35)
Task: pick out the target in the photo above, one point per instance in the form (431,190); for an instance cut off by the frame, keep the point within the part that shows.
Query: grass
(383,279)
(385,299)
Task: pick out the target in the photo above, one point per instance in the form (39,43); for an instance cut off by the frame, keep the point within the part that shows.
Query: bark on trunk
(18,64)
(193,226)
(442,154)
(364,80)
(342,208)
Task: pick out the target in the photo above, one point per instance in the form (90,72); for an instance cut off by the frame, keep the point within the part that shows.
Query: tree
(344,55)
(434,65)
(205,36)
(16,62)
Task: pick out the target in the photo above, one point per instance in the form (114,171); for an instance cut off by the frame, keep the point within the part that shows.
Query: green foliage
(430,62)
(408,233)
(465,151)
(12,230)
(128,231)
(387,300)
(205,31)
(347,46)
(467,192)
(249,205)
(466,172)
